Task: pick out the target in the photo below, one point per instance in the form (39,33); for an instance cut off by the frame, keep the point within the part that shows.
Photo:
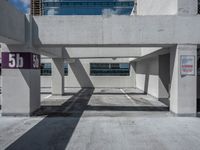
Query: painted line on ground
(47,96)
(126,94)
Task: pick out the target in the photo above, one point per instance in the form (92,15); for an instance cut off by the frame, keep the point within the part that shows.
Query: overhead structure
(168,72)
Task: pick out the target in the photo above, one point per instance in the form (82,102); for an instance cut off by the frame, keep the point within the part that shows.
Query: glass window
(45,69)
(109,69)
(86,7)
(66,69)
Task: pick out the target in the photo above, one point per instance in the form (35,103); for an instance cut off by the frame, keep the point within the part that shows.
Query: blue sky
(23,5)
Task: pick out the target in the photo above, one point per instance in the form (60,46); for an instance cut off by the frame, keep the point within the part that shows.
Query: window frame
(45,73)
(110,69)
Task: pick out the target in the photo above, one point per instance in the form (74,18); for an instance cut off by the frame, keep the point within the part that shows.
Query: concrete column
(183,91)
(133,72)
(187,7)
(57,76)
(20,81)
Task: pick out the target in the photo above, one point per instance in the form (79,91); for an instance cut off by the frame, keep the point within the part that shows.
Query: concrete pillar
(183,91)
(187,7)
(57,76)
(20,81)
(133,72)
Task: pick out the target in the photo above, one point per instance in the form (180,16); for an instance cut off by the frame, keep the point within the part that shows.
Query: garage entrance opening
(92,101)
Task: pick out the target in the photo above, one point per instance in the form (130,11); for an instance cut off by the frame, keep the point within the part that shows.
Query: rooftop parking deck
(89,129)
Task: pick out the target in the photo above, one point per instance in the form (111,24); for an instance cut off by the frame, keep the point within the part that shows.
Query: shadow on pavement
(54,132)
(127,108)
(106,93)
(57,128)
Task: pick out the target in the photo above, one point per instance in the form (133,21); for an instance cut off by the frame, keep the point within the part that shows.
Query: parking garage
(155,54)
(105,81)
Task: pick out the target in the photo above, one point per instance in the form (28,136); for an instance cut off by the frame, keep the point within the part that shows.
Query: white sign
(187,65)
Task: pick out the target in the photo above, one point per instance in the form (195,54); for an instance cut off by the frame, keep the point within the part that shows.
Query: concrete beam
(157,31)
(157,7)
(12,28)
(92,52)
(152,53)
(51,52)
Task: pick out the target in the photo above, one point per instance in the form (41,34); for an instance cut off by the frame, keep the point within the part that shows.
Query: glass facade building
(109,69)
(86,7)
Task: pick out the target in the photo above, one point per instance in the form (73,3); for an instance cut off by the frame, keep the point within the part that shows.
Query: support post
(57,76)
(183,91)
(133,72)
(20,81)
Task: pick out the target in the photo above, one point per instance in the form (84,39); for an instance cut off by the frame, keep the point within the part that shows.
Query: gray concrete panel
(92,52)
(57,76)
(116,30)
(12,29)
(20,87)
(167,7)
(183,89)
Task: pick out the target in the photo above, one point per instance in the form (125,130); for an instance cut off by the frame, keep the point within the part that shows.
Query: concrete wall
(79,75)
(156,7)
(22,97)
(166,7)
(153,75)
(116,30)
(12,28)
(187,7)
(147,78)
(149,50)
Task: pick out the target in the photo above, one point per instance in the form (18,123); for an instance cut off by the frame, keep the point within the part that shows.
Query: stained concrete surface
(99,99)
(74,122)
(105,97)
(128,131)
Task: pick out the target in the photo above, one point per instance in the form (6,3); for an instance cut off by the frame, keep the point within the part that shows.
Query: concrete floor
(100,119)
(101,99)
